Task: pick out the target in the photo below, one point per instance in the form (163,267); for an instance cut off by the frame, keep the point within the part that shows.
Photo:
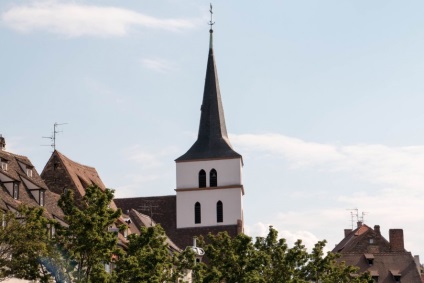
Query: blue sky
(322,98)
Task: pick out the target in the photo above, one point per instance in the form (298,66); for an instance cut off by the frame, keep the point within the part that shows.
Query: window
(41,198)
(219,212)
(202,179)
(4,165)
(213,178)
(197,213)
(29,171)
(15,190)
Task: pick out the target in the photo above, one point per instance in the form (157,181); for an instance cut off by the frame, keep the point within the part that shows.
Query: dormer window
(29,172)
(41,200)
(4,164)
(15,193)
(370,259)
(396,275)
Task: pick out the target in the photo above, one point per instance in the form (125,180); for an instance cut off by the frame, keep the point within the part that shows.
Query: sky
(322,98)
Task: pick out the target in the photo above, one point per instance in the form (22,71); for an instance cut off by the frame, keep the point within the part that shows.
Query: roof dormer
(3,164)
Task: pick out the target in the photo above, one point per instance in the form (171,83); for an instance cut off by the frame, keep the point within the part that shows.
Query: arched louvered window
(213,177)
(197,213)
(202,179)
(219,212)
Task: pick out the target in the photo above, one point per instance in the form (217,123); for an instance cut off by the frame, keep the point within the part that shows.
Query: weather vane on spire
(211,23)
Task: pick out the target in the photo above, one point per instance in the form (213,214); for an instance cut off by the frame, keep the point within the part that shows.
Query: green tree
(24,243)
(230,260)
(148,258)
(87,241)
(269,259)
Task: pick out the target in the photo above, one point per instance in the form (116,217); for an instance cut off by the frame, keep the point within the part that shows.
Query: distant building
(61,173)
(386,261)
(209,191)
(21,184)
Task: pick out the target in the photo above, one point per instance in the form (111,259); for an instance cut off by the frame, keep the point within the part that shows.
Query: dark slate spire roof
(212,140)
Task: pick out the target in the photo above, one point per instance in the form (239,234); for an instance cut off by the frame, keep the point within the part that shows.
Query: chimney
(396,240)
(2,143)
(359,224)
(347,232)
(377,229)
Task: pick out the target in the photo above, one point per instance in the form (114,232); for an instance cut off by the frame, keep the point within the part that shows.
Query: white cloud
(394,175)
(149,158)
(399,167)
(158,65)
(261,229)
(73,20)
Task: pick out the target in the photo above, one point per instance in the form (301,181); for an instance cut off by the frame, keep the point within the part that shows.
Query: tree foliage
(269,259)
(87,241)
(148,258)
(24,242)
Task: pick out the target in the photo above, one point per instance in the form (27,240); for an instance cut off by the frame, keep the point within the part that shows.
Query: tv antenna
(362,218)
(53,136)
(149,209)
(354,213)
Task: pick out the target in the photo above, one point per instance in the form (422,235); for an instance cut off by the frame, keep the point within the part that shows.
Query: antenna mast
(53,136)
(354,212)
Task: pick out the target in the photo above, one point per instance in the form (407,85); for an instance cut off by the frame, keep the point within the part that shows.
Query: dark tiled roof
(212,141)
(383,263)
(358,241)
(16,173)
(164,213)
(364,245)
(77,175)
(142,220)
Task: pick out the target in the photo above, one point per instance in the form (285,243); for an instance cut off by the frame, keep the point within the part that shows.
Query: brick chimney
(396,240)
(2,143)
(377,229)
(359,224)
(347,232)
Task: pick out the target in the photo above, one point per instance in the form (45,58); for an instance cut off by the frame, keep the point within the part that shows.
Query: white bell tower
(209,175)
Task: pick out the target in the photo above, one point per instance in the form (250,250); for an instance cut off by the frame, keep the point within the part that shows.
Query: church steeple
(212,140)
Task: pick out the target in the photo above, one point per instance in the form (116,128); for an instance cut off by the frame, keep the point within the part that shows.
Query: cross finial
(211,23)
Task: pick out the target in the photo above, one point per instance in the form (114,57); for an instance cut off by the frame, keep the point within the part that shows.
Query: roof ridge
(70,160)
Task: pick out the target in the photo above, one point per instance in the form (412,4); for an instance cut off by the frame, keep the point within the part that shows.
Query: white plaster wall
(229,172)
(231,200)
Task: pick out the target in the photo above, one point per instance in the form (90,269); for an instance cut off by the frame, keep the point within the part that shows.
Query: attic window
(41,200)
(370,259)
(396,275)
(371,241)
(29,172)
(15,193)
(4,165)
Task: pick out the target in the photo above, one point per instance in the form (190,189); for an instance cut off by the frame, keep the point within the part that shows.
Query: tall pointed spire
(212,140)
